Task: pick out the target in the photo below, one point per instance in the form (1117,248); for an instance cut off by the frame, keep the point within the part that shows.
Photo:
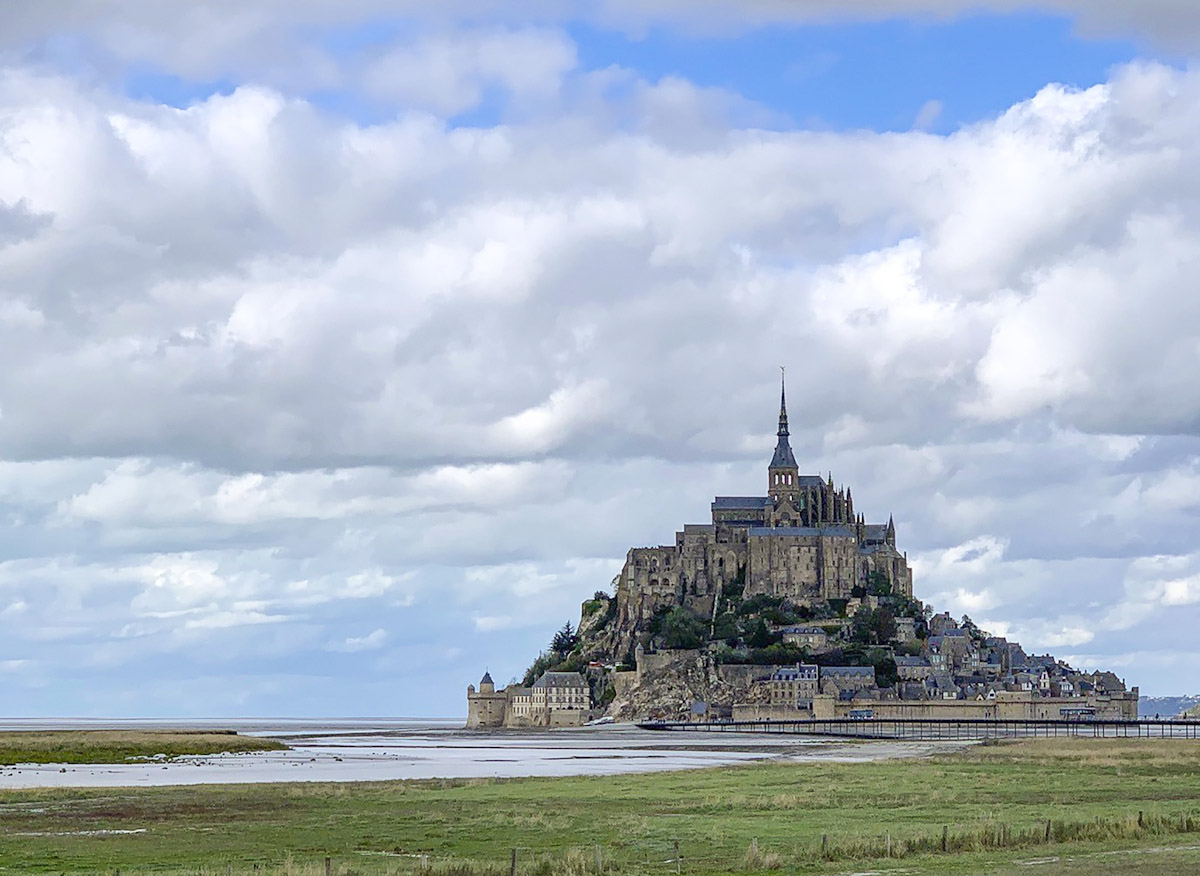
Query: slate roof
(561,679)
(739,503)
(487,678)
(783,457)
(849,671)
(904,660)
(793,673)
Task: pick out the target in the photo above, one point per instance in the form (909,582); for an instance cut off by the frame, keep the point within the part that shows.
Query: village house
(815,639)
(913,668)
(852,678)
(793,686)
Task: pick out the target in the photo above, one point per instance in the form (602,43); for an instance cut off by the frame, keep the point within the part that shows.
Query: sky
(346,347)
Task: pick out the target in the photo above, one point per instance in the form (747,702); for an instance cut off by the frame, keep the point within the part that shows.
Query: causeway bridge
(942,728)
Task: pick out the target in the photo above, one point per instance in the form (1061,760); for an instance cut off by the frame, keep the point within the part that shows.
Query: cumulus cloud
(1174,23)
(450,74)
(273,38)
(270,378)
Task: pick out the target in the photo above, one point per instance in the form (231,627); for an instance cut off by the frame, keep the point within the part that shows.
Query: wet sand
(380,750)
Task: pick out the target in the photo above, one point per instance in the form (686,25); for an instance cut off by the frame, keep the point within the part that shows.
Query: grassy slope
(714,814)
(116,746)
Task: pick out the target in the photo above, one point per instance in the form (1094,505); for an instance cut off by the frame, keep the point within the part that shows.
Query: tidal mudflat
(361,751)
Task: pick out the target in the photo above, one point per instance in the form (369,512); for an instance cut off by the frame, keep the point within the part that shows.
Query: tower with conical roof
(783,475)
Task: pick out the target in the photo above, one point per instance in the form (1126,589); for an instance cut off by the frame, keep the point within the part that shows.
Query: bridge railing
(945,728)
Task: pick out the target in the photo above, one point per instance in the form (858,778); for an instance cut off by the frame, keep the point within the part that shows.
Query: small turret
(890,533)
(486,685)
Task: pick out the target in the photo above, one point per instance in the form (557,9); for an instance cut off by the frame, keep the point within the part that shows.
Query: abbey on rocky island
(801,541)
(786,605)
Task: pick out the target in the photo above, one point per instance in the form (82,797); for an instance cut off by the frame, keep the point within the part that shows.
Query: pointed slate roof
(783,457)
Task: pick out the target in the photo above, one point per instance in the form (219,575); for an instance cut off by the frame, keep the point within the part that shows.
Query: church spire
(783,457)
(783,426)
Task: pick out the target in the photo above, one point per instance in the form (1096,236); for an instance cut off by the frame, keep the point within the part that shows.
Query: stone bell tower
(783,475)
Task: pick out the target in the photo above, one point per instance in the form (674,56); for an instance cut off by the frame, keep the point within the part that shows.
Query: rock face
(597,632)
(675,682)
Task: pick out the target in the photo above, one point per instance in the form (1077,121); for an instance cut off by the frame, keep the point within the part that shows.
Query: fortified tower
(485,708)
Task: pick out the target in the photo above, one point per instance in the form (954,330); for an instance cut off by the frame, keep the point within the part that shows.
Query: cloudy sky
(345,347)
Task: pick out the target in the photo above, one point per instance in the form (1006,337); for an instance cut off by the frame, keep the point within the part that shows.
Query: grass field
(992,803)
(117,746)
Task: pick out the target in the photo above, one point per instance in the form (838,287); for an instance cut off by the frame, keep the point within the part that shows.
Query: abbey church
(802,540)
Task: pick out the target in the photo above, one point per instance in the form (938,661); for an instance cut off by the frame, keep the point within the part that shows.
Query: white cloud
(450,74)
(927,115)
(370,642)
(225,619)
(273,38)
(272,378)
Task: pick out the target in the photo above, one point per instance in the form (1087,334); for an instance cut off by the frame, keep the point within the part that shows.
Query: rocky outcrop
(670,687)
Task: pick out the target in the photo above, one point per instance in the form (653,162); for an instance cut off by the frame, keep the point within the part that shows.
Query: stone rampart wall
(659,660)
(1009,706)
(743,676)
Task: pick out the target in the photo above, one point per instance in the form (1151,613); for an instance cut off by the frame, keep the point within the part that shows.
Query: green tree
(726,626)
(872,626)
(886,673)
(535,670)
(878,584)
(760,636)
(681,629)
(564,640)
